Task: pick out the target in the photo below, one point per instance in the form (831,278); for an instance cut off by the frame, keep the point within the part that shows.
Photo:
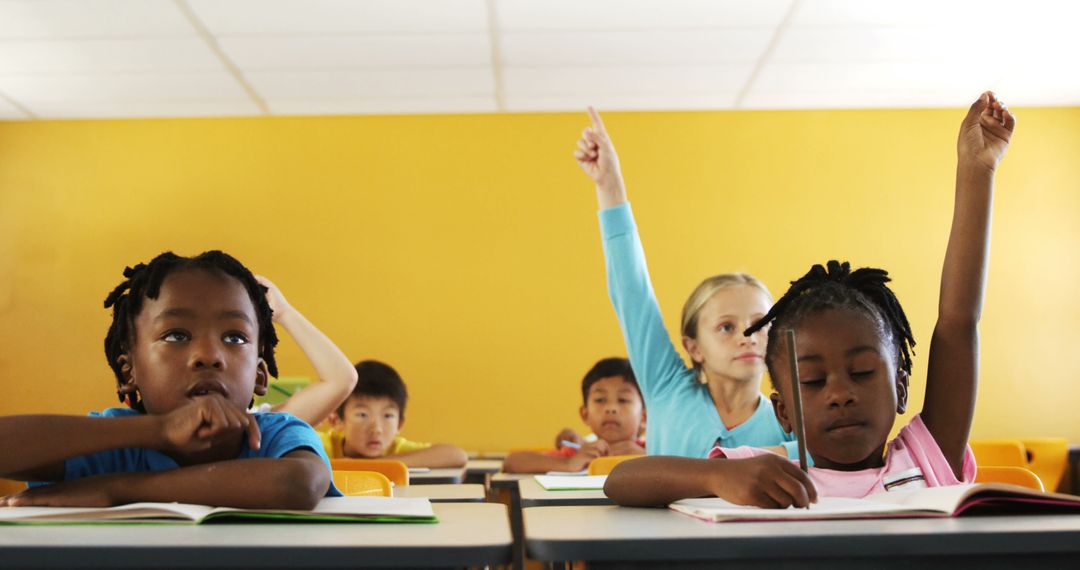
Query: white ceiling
(183,58)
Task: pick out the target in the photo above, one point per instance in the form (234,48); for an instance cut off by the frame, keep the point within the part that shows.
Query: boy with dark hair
(366,425)
(612,407)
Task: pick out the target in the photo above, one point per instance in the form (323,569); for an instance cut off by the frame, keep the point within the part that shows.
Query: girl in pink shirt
(853,346)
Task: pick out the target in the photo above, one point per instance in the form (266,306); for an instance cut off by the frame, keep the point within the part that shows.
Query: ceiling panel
(311,53)
(635,47)
(397,105)
(620,102)
(32,90)
(9,111)
(63,19)
(248,17)
(144,109)
(106,56)
(624,80)
(469,82)
(515,15)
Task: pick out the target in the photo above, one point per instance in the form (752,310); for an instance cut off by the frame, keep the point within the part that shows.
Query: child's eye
(813,382)
(235,338)
(624,401)
(175,336)
(726,328)
(862,374)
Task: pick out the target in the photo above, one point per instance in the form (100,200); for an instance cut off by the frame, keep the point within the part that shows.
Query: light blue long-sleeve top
(682,415)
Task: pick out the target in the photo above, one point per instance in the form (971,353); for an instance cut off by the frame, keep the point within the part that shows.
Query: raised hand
(208,420)
(767,481)
(985,132)
(277,301)
(596,156)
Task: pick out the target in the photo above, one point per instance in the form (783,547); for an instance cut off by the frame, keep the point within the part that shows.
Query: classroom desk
(467,535)
(533,495)
(505,487)
(608,536)
(481,470)
(467,493)
(444,476)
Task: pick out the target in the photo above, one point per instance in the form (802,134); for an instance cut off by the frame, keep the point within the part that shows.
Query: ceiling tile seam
(496,56)
(767,54)
(18,106)
(212,43)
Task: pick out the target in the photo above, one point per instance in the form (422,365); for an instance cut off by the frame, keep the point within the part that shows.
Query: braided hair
(837,286)
(144,282)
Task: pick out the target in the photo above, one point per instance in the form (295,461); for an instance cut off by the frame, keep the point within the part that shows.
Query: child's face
(720,346)
(198,337)
(851,391)
(370,425)
(614,410)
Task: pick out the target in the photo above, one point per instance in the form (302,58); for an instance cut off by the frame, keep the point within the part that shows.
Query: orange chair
(604,465)
(1048,457)
(997,452)
(395,471)
(1012,475)
(362,483)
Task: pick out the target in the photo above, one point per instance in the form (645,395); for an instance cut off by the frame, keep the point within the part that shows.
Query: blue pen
(570,444)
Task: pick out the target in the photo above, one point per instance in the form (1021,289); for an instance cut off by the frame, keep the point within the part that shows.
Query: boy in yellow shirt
(366,425)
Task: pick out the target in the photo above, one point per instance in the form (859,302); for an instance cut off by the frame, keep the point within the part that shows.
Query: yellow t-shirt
(334,443)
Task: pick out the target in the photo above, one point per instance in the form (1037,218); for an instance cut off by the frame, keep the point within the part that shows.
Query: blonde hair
(705,290)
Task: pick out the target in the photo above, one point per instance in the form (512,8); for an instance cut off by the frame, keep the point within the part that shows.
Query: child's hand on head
(206,420)
(985,132)
(767,481)
(277,301)
(595,155)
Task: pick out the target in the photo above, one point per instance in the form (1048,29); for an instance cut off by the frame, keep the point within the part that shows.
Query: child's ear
(583,411)
(127,384)
(262,378)
(335,420)
(780,409)
(901,391)
(693,349)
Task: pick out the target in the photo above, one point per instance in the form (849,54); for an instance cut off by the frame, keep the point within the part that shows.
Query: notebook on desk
(949,501)
(329,509)
(571,482)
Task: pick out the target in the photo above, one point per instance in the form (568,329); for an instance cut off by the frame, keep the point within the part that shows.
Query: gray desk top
(468,534)
(608,533)
(533,495)
(448,475)
(443,493)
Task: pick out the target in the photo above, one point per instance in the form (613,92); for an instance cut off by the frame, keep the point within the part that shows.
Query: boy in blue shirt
(191,342)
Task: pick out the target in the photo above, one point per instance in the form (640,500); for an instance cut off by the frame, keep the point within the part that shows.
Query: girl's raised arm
(953,370)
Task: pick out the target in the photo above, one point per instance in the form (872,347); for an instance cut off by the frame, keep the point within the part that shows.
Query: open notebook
(329,509)
(949,501)
(571,482)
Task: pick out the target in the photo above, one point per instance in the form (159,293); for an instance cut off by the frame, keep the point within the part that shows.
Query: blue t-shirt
(282,433)
(682,415)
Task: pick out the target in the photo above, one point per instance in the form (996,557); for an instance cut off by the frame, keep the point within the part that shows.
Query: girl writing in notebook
(719,394)
(191,342)
(854,359)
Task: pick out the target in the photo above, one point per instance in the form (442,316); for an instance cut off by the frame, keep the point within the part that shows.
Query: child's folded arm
(36,446)
(765,481)
(298,480)
(438,455)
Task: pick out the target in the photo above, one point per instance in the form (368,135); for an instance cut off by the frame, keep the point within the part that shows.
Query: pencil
(796,399)
(570,444)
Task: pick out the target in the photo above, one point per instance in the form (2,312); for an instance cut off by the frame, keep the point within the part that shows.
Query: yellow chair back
(604,465)
(1048,457)
(1007,452)
(362,483)
(395,471)
(1012,475)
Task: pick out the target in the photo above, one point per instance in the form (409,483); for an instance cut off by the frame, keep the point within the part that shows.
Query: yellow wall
(464,249)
